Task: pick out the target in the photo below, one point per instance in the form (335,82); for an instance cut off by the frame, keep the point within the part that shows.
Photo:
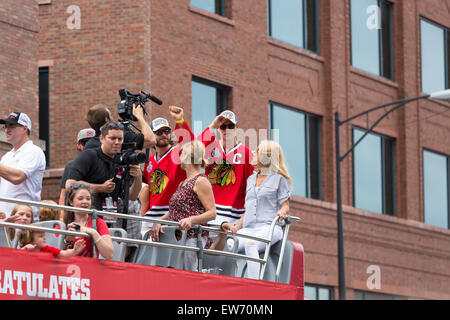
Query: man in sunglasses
(83,137)
(229,165)
(22,168)
(162,174)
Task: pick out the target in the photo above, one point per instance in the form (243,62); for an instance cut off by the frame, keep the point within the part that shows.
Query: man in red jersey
(163,172)
(229,166)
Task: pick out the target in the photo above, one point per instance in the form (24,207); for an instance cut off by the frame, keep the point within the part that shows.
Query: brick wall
(18,62)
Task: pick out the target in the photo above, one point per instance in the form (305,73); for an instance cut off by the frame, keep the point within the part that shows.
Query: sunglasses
(77,186)
(161,131)
(229,126)
(112,125)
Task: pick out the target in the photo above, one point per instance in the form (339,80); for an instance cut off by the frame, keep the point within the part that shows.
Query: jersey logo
(158,181)
(222,174)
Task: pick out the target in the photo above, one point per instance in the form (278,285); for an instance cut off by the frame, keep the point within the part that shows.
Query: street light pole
(441,95)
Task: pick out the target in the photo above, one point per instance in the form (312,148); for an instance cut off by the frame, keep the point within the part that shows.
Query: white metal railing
(200,250)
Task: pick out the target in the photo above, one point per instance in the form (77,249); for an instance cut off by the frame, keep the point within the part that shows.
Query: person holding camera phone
(79,196)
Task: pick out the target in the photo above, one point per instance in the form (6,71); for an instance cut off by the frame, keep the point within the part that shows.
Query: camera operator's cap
(230,116)
(159,123)
(17,118)
(85,134)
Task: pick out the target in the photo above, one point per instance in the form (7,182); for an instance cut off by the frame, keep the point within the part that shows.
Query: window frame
(446,51)
(382,59)
(219,8)
(317,193)
(448,183)
(318,287)
(384,184)
(223,92)
(44,110)
(306,45)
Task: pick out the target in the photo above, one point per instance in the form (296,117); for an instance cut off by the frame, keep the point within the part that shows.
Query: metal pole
(341,262)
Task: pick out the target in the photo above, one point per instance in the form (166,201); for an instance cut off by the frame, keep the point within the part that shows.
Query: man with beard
(163,172)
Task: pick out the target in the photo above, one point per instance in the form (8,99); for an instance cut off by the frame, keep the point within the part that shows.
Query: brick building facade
(163,46)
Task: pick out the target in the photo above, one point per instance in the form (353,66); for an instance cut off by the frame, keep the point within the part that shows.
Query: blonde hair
(270,159)
(46,214)
(12,232)
(26,236)
(195,150)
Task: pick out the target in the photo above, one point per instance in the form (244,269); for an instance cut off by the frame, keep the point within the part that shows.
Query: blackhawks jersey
(228,172)
(163,177)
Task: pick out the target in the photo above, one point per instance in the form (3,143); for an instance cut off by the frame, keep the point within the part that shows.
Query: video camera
(128,156)
(125,106)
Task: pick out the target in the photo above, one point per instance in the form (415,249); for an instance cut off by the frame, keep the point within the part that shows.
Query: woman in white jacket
(267,196)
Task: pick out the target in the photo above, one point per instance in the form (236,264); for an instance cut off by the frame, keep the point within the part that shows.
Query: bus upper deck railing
(200,251)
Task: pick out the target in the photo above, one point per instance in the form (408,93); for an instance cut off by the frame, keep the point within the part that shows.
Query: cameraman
(99,115)
(98,167)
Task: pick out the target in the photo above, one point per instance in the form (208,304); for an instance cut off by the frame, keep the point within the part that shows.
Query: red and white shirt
(228,171)
(163,176)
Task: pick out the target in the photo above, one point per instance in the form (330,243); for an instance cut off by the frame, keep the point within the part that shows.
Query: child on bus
(35,241)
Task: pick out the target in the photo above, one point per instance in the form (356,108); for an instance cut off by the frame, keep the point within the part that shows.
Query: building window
(294,22)
(44,111)
(373,173)
(371,36)
(435,52)
(213,6)
(368,295)
(209,99)
(299,135)
(436,179)
(313,292)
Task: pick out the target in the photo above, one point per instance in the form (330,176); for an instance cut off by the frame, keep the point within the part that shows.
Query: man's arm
(15,176)
(107,187)
(141,124)
(135,189)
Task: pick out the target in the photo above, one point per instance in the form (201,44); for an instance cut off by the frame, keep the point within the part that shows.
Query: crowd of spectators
(212,179)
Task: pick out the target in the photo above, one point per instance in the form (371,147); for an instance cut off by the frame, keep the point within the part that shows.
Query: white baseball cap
(230,116)
(159,123)
(17,118)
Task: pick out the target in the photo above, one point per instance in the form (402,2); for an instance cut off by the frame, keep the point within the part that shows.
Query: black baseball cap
(17,118)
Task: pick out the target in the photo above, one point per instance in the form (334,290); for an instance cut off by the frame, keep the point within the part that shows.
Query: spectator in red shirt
(35,241)
(79,196)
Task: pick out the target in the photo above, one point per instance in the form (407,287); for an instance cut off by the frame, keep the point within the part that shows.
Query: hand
(229,227)
(30,247)
(282,215)
(79,246)
(135,171)
(138,112)
(12,219)
(156,230)
(2,215)
(218,121)
(186,223)
(108,186)
(176,113)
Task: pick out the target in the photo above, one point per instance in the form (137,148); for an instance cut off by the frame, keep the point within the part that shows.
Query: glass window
(435,57)
(44,111)
(313,292)
(371,35)
(213,6)
(299,136)
(373,173)
(368,295)
(436,189)
(294,22)
(208,100)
